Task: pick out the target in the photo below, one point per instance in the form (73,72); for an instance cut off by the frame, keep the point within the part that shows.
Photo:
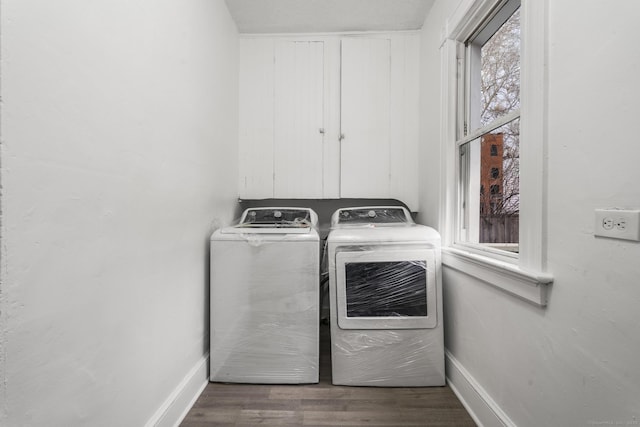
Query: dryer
(265,298)
(385,299)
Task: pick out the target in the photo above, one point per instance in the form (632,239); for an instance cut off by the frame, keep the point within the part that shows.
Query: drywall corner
(3,311)
(3,257)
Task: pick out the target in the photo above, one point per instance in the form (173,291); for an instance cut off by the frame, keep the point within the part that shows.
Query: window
(492,135)
(489,138)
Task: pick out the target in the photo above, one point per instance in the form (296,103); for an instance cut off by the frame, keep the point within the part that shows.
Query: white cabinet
(281,118)
(299,94)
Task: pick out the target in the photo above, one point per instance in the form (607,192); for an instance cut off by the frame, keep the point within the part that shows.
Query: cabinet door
(299,127)
(256,118)
(365,118)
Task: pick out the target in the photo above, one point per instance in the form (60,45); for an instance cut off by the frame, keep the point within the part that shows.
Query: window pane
(500,72)
(490,188)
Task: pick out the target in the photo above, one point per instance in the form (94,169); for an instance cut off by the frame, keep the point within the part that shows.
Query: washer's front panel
(264,312)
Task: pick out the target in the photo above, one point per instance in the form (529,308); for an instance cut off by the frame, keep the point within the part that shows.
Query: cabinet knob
(321,130)
(341,137)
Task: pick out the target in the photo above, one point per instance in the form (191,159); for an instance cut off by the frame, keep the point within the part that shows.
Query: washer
(265,298)
(385,299)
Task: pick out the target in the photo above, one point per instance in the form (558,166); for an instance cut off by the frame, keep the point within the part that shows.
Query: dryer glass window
(386,289)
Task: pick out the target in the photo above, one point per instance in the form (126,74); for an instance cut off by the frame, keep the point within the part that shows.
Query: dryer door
(383,289)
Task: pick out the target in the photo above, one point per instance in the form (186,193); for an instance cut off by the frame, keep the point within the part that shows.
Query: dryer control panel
(372,215)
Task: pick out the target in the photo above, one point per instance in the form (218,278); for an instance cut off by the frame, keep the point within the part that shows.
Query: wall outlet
(618,223)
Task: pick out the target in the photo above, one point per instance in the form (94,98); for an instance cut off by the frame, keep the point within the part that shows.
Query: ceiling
(320,16)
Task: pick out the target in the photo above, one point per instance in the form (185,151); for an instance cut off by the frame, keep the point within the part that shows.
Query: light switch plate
(618,223)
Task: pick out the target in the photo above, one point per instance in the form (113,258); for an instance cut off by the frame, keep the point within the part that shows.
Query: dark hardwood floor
(324,404)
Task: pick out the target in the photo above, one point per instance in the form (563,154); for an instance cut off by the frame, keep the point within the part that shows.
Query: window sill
(530,286)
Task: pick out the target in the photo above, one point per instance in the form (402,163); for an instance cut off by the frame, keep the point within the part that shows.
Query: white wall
(430,154)
(119,151)
(574,363)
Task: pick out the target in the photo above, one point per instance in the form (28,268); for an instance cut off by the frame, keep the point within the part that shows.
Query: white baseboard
(177,405)
(482,408)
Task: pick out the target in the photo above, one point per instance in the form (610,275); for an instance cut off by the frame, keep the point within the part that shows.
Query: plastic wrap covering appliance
(385,299)
(264,298)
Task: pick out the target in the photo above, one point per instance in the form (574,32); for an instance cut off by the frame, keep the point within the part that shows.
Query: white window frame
(524,275)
